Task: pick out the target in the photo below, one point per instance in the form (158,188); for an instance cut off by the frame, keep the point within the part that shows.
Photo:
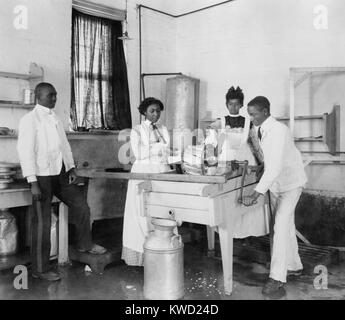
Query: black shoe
(274,289)
(49,276)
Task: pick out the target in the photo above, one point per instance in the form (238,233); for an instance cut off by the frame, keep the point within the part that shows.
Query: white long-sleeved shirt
(150,154)
(42,144)
(284,168)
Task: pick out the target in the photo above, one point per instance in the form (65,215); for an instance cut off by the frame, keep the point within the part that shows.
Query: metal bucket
(8,233)
(163,262)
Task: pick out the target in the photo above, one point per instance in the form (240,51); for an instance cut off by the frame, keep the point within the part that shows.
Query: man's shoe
(49,276)
(95,249)
(294,273)
(274,289)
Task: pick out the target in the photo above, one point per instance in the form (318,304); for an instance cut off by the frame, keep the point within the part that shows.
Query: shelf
(34,77)
(331,129)
(16,105)
(35,73)
(19,76)
(318,117)
(8,136)
(310,139)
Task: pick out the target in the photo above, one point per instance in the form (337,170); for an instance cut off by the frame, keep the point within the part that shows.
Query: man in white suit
(284,177)
(47,163)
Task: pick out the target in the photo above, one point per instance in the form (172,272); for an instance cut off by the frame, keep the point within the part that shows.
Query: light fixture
(125,35)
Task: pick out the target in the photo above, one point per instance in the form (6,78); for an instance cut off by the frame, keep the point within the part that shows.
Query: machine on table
(209,200)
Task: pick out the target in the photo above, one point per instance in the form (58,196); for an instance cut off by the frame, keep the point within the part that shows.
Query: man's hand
(36,191)
(251,200)
(72,177)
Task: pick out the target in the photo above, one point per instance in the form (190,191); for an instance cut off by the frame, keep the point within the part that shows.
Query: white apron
(232,142)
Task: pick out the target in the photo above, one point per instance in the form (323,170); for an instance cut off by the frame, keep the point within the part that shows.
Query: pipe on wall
(142,81)
(143,75)
(139,7)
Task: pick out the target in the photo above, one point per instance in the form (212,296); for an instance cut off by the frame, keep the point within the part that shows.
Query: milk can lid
(164,222)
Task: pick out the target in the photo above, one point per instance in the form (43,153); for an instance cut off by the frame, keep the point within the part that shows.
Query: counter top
(16,187)
(168,176)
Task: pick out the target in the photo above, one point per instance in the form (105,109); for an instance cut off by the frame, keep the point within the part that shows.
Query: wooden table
(207,200)
(19,195)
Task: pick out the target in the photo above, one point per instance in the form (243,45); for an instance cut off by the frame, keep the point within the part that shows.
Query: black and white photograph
(172,154)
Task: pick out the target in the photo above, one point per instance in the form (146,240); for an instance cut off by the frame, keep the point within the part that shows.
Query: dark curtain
(121,109)
(100,95)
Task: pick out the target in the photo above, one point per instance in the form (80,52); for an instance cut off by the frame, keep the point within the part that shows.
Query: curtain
(100,95)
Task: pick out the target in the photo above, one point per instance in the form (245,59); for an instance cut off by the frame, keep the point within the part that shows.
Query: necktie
(254,145)
(157,134)
(259,133)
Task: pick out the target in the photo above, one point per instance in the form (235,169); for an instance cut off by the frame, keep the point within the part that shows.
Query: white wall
(253,44)
(247,43)
(47,41)
(158,50)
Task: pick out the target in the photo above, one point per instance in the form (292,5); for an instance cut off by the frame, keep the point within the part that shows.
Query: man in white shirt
(47,163)
(284,177)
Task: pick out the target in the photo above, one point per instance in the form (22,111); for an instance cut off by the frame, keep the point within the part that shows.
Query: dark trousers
(74,198)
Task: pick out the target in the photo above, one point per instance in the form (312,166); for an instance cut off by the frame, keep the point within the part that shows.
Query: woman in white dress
(150,146)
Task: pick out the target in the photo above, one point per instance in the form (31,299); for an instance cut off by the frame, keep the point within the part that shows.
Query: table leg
(63,234)
(210,237)
(226,247)
(211,232)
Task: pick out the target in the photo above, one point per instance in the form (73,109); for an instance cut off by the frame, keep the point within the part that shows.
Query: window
(100,96)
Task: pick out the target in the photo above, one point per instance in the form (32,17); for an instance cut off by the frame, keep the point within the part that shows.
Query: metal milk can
(163,262)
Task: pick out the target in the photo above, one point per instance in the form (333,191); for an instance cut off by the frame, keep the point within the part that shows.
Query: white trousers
(285,247)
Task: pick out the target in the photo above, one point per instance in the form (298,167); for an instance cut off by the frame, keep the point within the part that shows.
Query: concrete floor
(203,281)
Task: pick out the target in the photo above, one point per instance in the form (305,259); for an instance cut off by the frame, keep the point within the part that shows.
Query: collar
(267,124)
(234,115)
(148,123)
(43,109)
